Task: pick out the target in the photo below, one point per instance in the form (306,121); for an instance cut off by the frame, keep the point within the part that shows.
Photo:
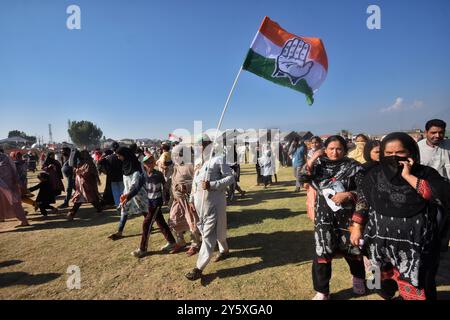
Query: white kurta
(212,212)
(267,165)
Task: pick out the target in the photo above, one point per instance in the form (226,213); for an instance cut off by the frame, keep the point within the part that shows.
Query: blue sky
(145,68)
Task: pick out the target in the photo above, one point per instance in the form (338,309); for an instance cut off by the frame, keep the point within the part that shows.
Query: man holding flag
(209,200)
(299,63)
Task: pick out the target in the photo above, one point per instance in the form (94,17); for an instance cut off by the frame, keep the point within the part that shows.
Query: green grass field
(270,239)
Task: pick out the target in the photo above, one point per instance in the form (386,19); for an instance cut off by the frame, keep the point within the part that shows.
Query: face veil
(390,164)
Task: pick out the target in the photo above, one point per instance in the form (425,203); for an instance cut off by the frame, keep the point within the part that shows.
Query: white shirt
(436,157)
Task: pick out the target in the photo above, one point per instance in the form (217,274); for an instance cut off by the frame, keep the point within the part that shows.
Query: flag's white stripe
(264,47)
(316,76)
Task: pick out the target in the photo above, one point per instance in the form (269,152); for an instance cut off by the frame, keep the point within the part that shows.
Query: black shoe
(115,236)
(63,206)
(194,274)
(221,256)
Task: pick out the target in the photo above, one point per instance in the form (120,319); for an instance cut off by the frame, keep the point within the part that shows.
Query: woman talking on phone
(398,203)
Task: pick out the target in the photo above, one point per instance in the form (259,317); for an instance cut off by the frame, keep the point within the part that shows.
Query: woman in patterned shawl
(22,170)
(398,203)
(182,217)
(86,185)
(333,175)
(10,202)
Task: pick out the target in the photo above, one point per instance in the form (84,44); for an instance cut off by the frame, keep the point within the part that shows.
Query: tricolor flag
(174,138)
(296,62)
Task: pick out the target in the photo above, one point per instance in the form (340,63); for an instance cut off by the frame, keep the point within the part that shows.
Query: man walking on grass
(208,197)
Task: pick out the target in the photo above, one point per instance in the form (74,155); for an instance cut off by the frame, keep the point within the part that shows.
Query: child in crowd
(46,195)
(155,187)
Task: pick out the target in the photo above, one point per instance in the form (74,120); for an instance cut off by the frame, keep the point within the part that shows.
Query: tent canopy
(14,139)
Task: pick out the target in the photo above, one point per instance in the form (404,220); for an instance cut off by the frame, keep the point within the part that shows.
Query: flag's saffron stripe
(265,67)
(279,36)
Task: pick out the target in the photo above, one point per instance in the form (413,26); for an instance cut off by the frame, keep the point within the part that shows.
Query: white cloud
(396,106)
(417,104)
(400,105)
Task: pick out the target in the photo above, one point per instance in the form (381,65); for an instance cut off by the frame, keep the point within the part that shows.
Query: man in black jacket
(67,170)
(115,174)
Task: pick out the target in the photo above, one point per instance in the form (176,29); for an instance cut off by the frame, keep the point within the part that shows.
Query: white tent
(35,145)
(14,139)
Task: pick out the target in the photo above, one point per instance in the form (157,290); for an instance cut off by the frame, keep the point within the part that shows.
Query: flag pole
(231,93)
(223,113)
(225,108)
(218,128)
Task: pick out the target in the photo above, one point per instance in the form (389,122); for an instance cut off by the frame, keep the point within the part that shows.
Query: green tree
(17,133)
(84,133)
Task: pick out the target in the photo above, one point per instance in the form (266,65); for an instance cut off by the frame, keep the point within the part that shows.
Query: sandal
(177,248)
(359,286)
(221,256)
(194,274)
(192,251)
(321,296)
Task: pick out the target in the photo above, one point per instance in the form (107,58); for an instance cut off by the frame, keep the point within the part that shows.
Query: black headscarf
(390,164)
(368,147)
(130,163)
(107,152)
(66,152)
(48,160)
(326,172)
(134,148)
(85,158)
(386,190)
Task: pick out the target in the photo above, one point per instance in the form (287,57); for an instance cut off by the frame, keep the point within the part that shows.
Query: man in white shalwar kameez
(267,165)
(209,198)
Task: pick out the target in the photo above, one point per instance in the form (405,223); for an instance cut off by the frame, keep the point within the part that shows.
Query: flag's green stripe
(264,67)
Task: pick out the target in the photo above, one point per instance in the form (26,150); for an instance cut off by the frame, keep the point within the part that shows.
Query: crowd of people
(384,203)
(137,182)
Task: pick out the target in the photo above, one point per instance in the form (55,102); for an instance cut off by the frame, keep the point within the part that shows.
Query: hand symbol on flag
(291,61)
